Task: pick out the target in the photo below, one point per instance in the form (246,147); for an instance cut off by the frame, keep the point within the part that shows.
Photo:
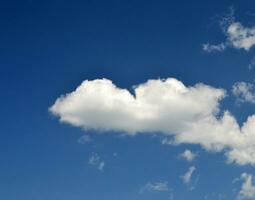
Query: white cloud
(188,155)
(186,178)
(96,161)
(214,48)
(237,36)
(187,114)
(167,141)
(252,64)
(85,139)
(241,37)
(161,186)
(244,92)
(248,189)
(158,187)
(158,105)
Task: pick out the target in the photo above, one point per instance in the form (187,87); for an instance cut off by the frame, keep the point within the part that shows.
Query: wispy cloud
(85,139)
(161,186)
(96,161)
(158,187)
(237,35)
(244,92)
(186,178)
(247,189)
(214,48)
(251,66)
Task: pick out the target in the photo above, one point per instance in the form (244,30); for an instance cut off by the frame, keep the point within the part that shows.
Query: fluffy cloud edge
(244,92)
(237,35)
(247,188)
(188,155)
(186,178)
(166,106)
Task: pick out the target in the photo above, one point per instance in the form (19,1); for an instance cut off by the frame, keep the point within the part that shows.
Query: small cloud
(241,37)
(227,19)
(237,35)
(251,66)
(188,155)
(247,189)
(96,161)
(161,186)
(158,187)
(213,48)
(244,92)
(85,139)
(186,178)
(168,141)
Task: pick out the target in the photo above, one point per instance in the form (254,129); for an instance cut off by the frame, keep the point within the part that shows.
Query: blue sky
(140,126)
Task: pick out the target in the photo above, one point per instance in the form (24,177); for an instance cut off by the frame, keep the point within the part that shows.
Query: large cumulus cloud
(165,106)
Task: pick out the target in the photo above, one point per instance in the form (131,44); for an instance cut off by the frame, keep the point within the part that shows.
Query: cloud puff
(241,37)
(214,48)
(161,186)
(252,64)
(187,176)
(96,161)
(85,139)
(158,187)
(244,92)
(237,36)
(248,189)
(188,155)
(188,114)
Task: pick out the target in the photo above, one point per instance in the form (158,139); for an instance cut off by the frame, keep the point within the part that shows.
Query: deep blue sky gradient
(47,48)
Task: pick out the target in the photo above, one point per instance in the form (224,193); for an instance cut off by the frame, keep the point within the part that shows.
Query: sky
(131,100)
